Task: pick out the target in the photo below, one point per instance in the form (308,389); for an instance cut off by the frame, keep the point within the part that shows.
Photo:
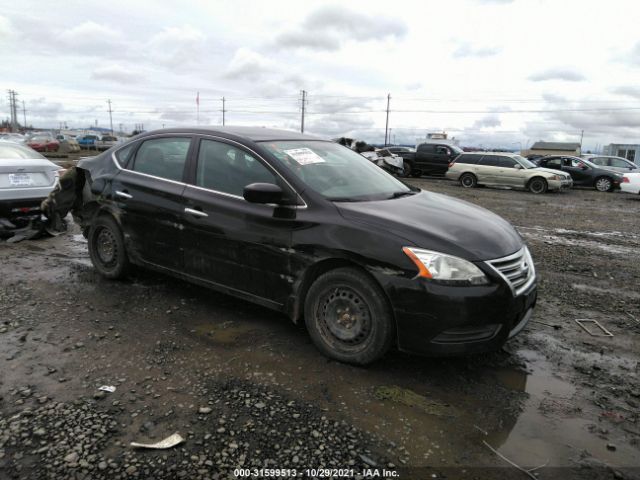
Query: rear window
(468,159)
(12,151)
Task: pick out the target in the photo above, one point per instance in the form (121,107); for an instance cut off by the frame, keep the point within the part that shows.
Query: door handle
(195,213)
(124,195)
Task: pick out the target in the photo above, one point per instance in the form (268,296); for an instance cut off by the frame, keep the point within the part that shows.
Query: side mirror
(584,167)
(262,193)
(517,166)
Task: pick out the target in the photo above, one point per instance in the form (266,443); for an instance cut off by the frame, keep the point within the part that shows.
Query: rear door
(229,241)
(488,170)
(148,189)
(424,156)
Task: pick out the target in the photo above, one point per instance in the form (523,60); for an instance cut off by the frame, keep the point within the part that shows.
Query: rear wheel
(604,184)
(106,248)
(468,180)
(348,318)
(538,185)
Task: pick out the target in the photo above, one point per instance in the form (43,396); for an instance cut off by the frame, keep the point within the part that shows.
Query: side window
(506,162)
(426,148)
(618,163)
(440,150)
(225,168)
(599,161)
(468,159)
(124,154)
(554,163)
(491,161)
(162,157)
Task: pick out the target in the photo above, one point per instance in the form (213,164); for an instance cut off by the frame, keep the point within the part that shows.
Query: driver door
(228,241)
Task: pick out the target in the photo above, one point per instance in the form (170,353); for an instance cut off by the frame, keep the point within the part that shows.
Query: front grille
(517,270)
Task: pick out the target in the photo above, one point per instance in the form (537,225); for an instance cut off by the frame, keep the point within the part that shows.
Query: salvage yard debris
(107,388)
(169,442)
(605,332)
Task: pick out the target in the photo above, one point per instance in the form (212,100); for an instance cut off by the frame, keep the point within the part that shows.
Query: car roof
(256,134)
(502,154)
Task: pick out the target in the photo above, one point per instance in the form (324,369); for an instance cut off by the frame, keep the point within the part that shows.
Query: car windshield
(336,172)
(18,151)
(525,162)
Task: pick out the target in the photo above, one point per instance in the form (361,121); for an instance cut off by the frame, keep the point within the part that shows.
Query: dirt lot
(246,388)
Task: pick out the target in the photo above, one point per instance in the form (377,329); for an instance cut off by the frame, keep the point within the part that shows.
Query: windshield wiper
(402,194)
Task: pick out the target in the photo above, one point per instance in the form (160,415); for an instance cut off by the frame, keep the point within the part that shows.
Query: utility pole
(581,137)
(304,101)
(12,109)
(386,128)
(110,116)
(24,115)
(223,111)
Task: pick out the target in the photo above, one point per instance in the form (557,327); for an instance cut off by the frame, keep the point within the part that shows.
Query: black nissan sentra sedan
(310,228)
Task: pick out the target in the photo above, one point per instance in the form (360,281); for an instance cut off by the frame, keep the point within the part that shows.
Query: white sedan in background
(630,183)
(26,178)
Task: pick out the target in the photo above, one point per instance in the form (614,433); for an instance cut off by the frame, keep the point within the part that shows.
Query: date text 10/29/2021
(314,473)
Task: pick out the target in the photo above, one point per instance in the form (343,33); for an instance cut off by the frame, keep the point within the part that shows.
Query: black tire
(348,317)
(538,185)
(408,169)
(468,180)
(106,248)
(603,184)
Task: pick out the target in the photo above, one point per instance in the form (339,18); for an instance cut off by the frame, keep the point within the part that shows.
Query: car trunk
(26,173)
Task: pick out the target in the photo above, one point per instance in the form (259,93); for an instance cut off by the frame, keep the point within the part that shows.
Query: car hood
(438,222)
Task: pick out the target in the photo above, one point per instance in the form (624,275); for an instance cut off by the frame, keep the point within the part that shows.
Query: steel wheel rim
(603,184)
(106,247)
(344,319)
(467,181)
(536,186)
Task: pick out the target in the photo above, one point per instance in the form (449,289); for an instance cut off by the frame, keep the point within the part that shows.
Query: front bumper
(559,185)
(443,320)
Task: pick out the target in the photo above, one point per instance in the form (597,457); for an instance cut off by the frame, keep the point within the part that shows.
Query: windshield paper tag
(304,156)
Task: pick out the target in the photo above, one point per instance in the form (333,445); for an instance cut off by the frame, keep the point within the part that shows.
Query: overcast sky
(489,72)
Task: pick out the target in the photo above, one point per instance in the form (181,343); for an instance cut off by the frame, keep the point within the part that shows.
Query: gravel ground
(245,388)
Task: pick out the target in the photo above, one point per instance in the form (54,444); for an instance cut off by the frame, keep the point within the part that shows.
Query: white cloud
(329,27)
(560,73)
(466,50)
(178,46)
(116,73)
(92,38)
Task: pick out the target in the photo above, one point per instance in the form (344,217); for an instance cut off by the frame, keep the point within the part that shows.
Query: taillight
(625,180)
(451,164)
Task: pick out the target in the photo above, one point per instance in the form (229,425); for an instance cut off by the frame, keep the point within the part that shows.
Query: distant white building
(625,150)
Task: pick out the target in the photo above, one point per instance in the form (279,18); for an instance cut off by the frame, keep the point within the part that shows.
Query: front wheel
(604,184)
(407,169)
(348,318)
(106,248)
(538,185)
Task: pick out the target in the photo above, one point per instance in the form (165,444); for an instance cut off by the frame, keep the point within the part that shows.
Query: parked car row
(504,169)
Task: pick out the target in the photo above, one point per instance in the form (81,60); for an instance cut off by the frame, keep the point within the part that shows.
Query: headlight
(439,266)
(554,177)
